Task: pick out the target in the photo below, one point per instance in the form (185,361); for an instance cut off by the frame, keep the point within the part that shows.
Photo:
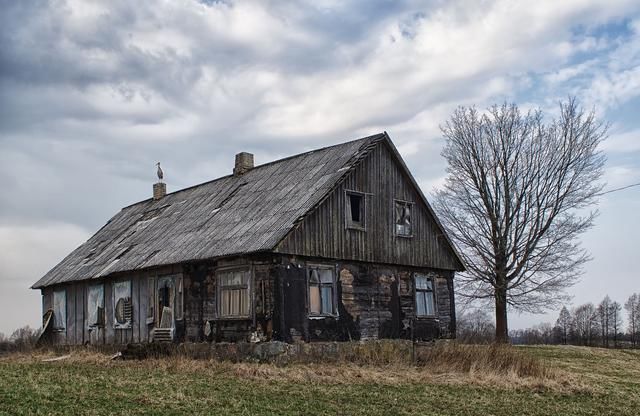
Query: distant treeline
(21,339)
(609,324)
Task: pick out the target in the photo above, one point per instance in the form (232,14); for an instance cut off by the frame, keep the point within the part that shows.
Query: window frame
(101,320)
(219,288)
(334,290)
(116,324)
(56,327)
(349,223)
(410,204)
(432,279)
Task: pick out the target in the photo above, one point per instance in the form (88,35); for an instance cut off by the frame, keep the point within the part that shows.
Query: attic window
(355,210)
(403,219)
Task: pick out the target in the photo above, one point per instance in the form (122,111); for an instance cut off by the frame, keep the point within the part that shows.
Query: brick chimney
(244,163)
(159,190)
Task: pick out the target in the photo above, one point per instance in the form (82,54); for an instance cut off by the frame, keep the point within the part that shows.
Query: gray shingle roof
(227,216)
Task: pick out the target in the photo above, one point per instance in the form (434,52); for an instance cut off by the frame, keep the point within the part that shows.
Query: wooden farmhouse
(337,243)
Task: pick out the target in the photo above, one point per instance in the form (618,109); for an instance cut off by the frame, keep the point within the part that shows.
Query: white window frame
(432,291)
(334,291)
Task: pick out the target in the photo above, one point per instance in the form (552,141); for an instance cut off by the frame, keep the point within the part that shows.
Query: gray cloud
(93,93)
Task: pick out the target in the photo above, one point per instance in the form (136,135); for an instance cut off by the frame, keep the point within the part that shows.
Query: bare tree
(615,316)
(604,319)
(475,327)
(584,323)
(632,306)
(513,199)
(24,338)
(564,324)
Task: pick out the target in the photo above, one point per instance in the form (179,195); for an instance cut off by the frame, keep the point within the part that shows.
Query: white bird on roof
(160,173)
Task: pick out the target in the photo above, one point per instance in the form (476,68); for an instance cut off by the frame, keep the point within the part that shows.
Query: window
(122,308)
(321,291)
(355,210)
(60,310)
(425,302)
(95,306)
(403,218)
(166,302)
(234,293)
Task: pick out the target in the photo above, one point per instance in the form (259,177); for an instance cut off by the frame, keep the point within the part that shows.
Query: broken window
(355,209)
(60,310)
(122,307)
(95,306)
(321,291)
(234,293)
(425,301)
(403,218)
(166,301)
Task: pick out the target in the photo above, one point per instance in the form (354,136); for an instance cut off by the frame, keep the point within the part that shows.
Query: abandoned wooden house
(337,243)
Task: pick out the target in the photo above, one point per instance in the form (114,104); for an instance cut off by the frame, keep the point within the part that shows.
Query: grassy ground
(581,381)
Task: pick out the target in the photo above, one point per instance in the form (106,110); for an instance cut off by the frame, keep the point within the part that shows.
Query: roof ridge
(371,138)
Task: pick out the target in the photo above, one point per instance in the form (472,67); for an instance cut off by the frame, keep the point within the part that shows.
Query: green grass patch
(608,383)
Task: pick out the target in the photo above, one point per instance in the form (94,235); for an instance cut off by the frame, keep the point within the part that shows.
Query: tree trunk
(502,332)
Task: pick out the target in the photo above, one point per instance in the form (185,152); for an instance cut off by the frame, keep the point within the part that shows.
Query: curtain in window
(314,293)
(95,306)
(60,309)
(234,293)
(425,305)
(321,291)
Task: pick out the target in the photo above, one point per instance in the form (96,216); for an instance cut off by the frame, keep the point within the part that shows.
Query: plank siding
(323,233)
(109,331)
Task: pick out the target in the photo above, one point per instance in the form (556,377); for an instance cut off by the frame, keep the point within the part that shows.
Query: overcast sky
(92,94)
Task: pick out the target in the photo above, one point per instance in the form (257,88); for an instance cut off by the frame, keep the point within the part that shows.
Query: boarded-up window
(403,218)
(122,308)
(355,210)
(425,301)
(234,293)
(95,306)
(321,291)
(60,309)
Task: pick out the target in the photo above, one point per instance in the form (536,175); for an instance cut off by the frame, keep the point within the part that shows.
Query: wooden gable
(382,179)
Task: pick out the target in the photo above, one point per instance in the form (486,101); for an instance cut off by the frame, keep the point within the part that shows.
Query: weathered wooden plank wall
(374,301)
(77,331)
(323,233)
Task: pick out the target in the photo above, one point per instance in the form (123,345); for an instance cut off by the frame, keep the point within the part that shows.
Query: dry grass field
(448,380)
